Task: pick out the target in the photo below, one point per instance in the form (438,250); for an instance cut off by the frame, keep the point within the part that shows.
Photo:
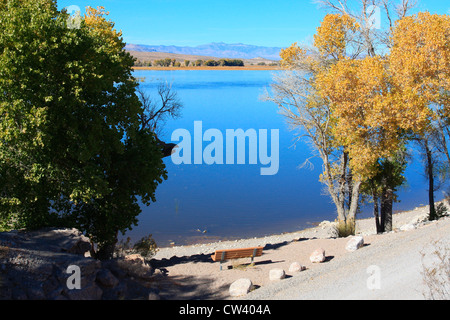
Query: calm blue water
(235,201)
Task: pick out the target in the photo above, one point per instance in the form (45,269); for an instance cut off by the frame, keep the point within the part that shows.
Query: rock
(135,266)
(330,229)
(35,266)
(276,274)
(318,256)
(296,267)
(354,243)
(240,287)
(90,292)
(324,224)
(106,279)
(61,240)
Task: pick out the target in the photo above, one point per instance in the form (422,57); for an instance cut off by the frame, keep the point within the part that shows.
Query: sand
(188,272)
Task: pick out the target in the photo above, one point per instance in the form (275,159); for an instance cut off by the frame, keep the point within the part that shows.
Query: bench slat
(222,255)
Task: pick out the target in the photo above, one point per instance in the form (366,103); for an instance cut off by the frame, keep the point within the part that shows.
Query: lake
(201,202)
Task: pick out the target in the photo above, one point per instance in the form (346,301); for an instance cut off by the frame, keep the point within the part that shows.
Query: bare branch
(155,114)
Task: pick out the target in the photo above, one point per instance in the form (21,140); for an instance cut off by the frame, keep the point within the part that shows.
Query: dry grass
(346,228)
(436,271)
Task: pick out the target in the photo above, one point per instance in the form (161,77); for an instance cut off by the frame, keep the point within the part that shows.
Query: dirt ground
(189,275)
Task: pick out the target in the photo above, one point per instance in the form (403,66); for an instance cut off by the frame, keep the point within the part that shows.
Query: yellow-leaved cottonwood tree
(346,95)
(420,65)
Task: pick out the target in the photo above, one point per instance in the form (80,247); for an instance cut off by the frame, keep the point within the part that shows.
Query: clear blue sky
(195,22)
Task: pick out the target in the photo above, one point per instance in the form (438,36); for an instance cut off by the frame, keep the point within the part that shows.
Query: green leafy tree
(73,151)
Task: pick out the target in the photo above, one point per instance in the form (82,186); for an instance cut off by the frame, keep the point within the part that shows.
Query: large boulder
(276,274)
(296,267)
(318,256)
(240,287)
(354,243)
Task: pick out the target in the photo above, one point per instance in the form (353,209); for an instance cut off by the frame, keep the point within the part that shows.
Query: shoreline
(203,68)
(188,273)
(324,230)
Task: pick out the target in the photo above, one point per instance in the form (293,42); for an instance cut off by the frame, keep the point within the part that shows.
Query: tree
(420,64)
(198,63)
(364,108)
(211,63)
(297,94)
(383,185)
(73,151)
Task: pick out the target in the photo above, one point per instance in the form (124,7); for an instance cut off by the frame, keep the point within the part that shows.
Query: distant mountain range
(220,50)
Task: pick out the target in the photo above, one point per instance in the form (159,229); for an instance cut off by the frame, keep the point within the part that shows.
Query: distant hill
(219,50)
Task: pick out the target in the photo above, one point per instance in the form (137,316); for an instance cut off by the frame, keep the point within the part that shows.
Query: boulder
(240,287)
(318,256)
(106,279)
(296,267)
(354,243)
(44,264)
(276,274)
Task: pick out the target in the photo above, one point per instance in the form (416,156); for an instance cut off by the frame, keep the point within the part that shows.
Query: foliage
(420,57)
(211,63)
(371,117)
(72,150)
(163,62)
(370,104)
(441,211)
(231,62)
(334,35)
(146,246)
(345,228)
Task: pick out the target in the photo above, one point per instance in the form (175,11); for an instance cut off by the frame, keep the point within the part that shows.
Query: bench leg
(254,254)
(222,259)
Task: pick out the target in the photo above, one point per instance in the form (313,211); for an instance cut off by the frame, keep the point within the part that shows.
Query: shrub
(346,228)
(441,210)
(146,247)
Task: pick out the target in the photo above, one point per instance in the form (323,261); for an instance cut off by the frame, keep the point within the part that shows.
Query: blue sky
(195,22)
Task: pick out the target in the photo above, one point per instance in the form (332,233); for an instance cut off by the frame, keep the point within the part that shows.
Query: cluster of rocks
(243,286)
(54,264)
(416,222)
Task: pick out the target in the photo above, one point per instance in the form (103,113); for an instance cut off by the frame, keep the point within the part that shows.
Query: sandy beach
(188,272)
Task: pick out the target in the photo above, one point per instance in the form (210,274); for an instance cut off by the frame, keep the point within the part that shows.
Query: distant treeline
(187,63)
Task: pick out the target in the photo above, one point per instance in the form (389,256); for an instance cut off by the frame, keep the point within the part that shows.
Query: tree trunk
(376,212)
(430,183)
(105,251)
(387,199)
(354,199)
(354,204)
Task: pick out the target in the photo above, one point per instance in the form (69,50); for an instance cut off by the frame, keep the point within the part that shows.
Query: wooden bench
(229,254)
